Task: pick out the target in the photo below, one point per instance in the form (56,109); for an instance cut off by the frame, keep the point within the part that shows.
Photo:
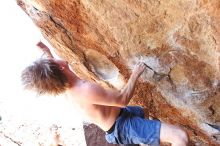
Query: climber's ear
(61,67)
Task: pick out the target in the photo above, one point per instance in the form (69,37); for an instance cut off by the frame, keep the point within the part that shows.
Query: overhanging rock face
(178,39)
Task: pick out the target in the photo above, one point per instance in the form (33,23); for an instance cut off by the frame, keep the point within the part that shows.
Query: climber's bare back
(95,103)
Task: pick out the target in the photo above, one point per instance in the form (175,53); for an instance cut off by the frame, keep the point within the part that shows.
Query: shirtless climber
(104,107)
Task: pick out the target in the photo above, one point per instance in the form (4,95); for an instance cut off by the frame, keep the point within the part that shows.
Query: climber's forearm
(45,49)
(49,55)
(128,91)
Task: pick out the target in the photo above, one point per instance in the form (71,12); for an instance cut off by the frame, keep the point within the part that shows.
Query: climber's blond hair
(45,77)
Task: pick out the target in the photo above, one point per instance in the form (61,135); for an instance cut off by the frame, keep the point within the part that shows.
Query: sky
(18,37)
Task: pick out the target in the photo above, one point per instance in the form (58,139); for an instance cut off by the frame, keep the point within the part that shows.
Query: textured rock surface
(16,133)
(178,39)
(94,136)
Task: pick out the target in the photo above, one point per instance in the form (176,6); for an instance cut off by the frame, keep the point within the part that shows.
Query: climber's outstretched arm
(45,49)
(96,94)
(129,88)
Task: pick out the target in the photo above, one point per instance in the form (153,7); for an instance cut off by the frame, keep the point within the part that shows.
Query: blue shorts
(132,128)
